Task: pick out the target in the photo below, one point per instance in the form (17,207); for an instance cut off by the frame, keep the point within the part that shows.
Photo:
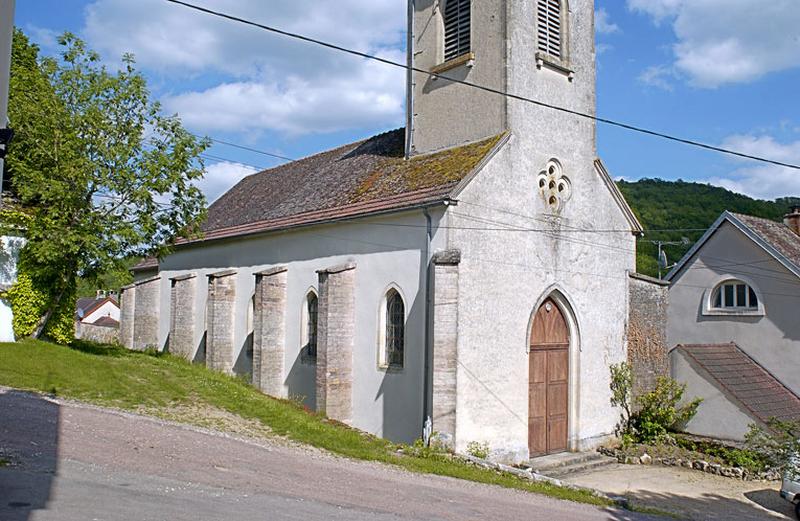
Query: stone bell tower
(539,49)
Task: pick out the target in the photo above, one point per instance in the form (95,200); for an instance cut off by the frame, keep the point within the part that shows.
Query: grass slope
(683,206)
(115,377)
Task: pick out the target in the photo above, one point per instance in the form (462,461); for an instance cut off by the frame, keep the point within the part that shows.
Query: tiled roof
(86,305)
(743,379)
(776,234)
(361,178)
(106,322)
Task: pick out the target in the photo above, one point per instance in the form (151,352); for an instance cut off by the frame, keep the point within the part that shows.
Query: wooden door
(549,382)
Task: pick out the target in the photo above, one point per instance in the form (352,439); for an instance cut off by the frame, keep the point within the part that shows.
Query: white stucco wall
(385,403)
(772,340)
(718,416)
(9,255)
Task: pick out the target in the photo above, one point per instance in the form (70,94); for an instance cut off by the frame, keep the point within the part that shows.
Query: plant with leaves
(622,397)
(649,418)
(104,175)
(779,443)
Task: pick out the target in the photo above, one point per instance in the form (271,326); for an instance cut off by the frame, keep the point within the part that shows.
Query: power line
(242,147)
(632,128)
(220,159)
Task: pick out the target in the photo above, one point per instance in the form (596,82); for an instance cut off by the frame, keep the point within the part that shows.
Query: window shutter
(549,27)
(456,28)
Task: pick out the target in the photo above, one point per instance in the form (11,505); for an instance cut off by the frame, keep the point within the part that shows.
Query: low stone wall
(99,334)
(694,464)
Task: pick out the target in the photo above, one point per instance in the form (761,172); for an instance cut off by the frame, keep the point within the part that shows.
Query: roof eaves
(697,245)
(633,221)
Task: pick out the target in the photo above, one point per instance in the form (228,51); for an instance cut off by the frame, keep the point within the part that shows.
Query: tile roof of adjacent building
(87,305)
(775,237)
(106,322)
(744,381)
(778,235)
(367,177)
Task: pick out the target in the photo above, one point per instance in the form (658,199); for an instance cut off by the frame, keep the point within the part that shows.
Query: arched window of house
(394,329)
(310,318)
(734,295)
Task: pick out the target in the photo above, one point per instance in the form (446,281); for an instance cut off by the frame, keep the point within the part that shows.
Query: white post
(6,35)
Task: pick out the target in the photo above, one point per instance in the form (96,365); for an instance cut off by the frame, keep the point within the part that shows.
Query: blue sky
(726,72)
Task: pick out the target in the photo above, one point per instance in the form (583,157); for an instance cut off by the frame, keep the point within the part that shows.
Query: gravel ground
(693,494)
(73,462)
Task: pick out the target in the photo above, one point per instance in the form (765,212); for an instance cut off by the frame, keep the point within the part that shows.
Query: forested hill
(682,206)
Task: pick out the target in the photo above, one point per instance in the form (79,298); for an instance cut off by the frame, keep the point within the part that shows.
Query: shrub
(478,449)
(657,412)
(28,302)
(780,445)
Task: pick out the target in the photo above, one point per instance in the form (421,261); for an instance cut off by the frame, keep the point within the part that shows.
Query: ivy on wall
(28,303)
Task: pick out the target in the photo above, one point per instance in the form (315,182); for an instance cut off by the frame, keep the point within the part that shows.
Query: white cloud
(257,80)
(725,41)
(220,177)
(603,23)
(658,76)
(760,180)
(297,106)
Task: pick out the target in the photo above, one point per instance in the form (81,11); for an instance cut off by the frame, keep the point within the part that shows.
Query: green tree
(104,175)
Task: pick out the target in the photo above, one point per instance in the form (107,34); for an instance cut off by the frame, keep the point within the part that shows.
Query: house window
(550,28)
(456,28)
(392,332)
(734,295)
(310,316)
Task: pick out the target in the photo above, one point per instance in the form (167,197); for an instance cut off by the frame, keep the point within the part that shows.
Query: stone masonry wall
(269,331)
(335,342)
(445,344)
(648,353)
(146,310)
(99,334)
(127,304)
(182,316)
(220,322)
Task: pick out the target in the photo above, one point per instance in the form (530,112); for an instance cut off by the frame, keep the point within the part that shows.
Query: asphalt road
(74,462)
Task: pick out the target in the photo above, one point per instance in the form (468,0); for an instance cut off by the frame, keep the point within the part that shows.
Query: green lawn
(115,377)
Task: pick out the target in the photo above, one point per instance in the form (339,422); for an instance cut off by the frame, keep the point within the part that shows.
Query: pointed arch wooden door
(548,387)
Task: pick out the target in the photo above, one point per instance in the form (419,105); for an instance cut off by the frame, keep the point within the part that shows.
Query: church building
(471,269)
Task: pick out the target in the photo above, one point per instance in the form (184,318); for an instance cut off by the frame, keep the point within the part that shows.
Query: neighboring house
(9,255)
(92,310)
(481,283)
(733,317)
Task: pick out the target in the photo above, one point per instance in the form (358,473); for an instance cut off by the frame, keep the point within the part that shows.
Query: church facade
(471,269)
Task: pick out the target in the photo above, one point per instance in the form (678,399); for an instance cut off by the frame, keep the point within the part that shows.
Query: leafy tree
(104,175)
(779,443)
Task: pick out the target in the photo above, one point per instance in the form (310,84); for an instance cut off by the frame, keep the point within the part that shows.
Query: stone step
(578,468)
(556,465)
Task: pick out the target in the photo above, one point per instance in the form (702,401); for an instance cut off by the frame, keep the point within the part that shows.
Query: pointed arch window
(392,333)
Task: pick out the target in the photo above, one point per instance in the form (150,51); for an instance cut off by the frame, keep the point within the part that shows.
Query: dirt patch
(214,418)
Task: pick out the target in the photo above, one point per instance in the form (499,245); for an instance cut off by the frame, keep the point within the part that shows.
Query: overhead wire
(606,121)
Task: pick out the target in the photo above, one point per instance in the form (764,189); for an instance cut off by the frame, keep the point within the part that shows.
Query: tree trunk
(48,314)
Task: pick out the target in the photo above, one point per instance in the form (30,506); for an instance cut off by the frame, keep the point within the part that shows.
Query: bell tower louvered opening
(549,28)
(456,28)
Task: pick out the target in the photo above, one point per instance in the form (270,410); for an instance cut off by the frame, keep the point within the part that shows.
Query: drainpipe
(410,80)
(426,386)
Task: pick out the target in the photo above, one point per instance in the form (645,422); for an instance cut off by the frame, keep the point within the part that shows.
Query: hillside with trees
(672,210)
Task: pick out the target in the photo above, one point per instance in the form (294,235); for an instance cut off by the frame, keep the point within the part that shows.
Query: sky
(725,72)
